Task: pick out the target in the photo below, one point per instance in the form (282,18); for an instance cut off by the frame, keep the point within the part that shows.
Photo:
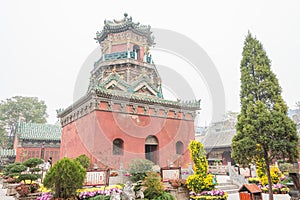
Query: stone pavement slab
(3,194)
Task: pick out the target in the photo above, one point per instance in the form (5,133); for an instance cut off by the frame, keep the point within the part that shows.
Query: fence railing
(235,177)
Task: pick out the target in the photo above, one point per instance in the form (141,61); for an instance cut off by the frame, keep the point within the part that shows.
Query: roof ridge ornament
(117,26)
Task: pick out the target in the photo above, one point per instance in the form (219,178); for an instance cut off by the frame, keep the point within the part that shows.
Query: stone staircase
(225,184)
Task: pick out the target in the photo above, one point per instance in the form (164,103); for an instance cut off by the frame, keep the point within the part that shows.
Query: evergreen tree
(65,177)
(264,130)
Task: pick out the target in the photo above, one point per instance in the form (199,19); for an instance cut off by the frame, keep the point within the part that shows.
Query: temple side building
(33,140)
(124,115)
(217,138)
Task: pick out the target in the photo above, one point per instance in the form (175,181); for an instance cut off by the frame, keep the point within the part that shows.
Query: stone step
(232,191)
(227,187)
(227,183)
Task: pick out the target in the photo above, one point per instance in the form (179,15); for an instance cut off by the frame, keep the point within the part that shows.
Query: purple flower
(211,193)
(45,196)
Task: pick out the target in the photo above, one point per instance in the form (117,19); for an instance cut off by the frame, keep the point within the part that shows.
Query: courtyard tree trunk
(268,174)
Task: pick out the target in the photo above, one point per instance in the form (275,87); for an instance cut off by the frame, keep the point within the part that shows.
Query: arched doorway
(151,149)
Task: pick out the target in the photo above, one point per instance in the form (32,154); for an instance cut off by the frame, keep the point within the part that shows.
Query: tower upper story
(126,64)
(125,78)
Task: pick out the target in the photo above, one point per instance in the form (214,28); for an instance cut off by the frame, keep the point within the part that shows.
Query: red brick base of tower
(94,133)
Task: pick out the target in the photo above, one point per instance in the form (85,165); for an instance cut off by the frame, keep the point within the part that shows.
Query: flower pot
(175,185)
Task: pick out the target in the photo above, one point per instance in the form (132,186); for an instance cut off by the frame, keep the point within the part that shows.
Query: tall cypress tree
(263,131)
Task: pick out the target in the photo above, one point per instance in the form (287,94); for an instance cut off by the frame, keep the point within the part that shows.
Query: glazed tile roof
(35,131)
(114,94)
(117,26)
(130,87)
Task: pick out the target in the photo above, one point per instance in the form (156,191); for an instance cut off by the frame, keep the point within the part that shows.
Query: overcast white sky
(43,45)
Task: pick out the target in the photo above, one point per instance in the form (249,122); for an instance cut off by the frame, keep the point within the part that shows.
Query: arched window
(179,148)
(136,49)
(118,147)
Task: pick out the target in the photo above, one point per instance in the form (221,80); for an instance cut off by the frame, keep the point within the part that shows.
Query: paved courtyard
(230,196)
(3,194)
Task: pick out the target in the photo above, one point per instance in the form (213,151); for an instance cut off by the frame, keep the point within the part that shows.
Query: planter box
(118,179)
(31,196)
(4,184)
(180,193)
(11,189)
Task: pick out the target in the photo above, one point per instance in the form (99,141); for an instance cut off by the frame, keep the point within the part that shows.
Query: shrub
(253,180)
(138,168)
(198,183)
(262,175)
(100,197)
(20,170)
(65,177)
(165,196)
(32,165)
(154,187)
(14,169)
(84,161)
(200,180)
(153,184)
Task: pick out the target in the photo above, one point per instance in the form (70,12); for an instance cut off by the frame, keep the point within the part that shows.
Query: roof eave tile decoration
(135,97)
(35,131)
(117,26)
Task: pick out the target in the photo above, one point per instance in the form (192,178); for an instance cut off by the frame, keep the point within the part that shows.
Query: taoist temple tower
(123,115)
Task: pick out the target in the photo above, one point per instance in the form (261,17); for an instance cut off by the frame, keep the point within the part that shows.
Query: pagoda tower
(126,64)
(123,115)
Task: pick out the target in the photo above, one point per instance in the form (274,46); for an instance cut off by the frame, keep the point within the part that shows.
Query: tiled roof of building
(219,135)
(140,97)
(33,131)
(117,26)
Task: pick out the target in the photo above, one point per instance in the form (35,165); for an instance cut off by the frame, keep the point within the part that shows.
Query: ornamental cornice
(124,61)
(123,37)
(94,103)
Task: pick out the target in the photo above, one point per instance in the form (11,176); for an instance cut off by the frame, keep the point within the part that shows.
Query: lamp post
(42,157)
(42,150)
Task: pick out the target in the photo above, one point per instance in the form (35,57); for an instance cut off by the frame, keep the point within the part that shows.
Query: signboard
(98,177)
(170,173)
